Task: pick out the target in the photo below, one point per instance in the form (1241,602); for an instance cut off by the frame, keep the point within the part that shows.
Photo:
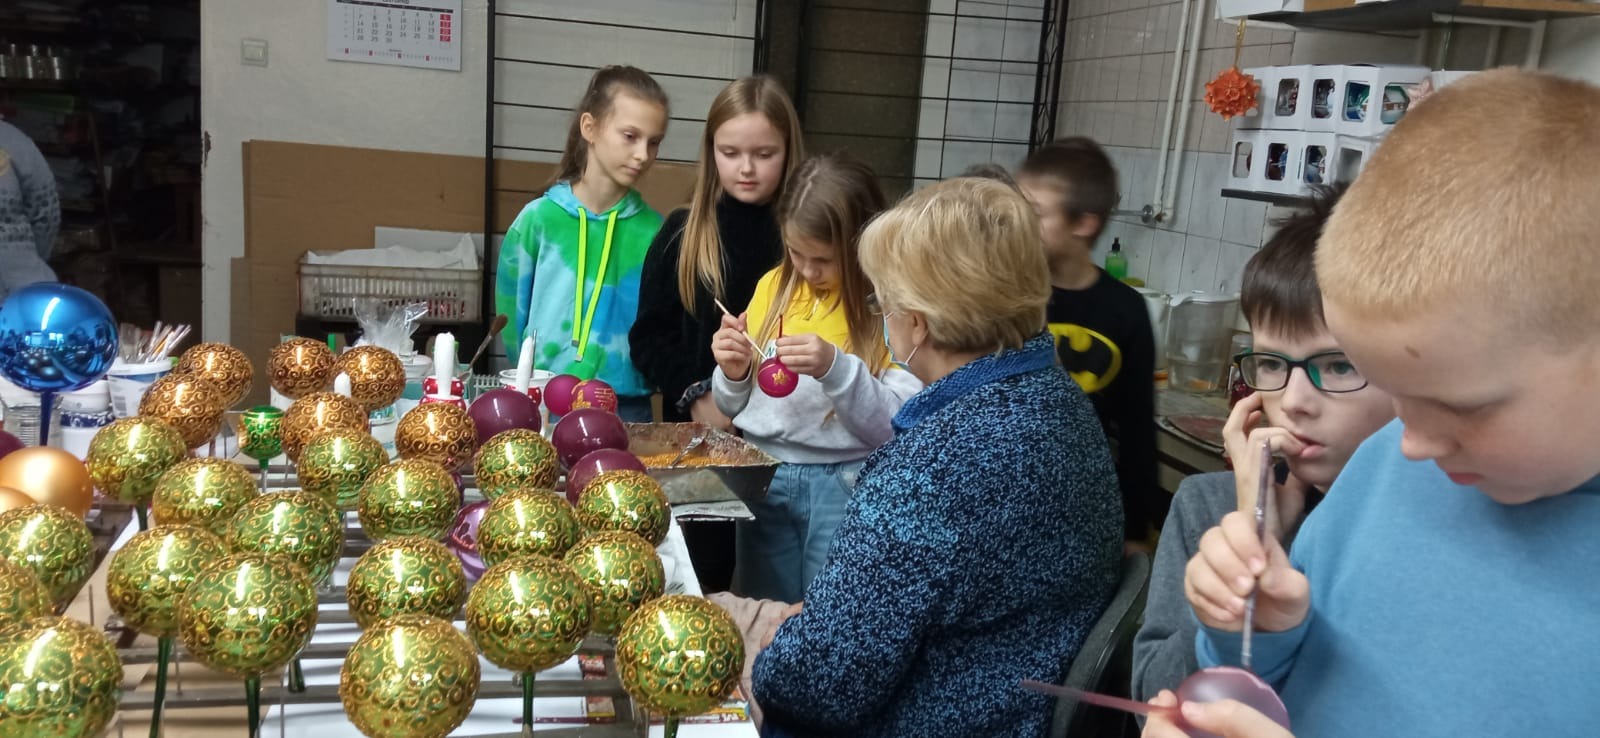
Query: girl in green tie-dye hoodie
(569,267)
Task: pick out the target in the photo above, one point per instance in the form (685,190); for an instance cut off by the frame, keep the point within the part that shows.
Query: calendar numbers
(413,33)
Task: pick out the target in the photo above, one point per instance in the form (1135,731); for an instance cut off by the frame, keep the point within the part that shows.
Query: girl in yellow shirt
(813,312)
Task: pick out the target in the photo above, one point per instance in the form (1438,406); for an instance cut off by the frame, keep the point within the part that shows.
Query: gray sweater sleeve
(39,201)
(1163,650)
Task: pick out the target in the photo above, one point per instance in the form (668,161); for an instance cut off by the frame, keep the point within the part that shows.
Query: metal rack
(925,117)
(511,66)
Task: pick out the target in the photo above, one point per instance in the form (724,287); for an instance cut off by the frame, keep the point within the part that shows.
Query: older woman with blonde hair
(983,540)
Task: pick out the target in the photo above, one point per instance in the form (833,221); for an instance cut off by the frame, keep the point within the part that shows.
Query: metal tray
(741,471)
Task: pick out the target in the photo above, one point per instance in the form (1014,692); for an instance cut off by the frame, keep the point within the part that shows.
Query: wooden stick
(725,311)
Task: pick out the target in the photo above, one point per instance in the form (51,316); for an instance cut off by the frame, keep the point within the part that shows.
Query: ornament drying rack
(629,723)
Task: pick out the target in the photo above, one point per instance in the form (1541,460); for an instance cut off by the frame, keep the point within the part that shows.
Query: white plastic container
(128,382)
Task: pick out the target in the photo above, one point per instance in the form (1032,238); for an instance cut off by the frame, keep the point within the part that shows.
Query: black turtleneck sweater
(670,345)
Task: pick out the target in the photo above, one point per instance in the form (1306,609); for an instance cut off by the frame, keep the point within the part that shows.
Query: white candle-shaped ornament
(525,365)
(444,360)
(341,384)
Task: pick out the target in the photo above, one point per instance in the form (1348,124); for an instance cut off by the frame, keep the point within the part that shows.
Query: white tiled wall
(1118,70)
(999,40)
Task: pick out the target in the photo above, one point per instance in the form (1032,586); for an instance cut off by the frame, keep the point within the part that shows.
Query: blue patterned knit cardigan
(980,547)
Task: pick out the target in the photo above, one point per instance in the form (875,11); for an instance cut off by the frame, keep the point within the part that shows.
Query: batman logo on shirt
(1092,359)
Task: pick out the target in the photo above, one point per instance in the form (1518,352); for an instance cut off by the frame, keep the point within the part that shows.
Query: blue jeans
(781,551)
(635,409)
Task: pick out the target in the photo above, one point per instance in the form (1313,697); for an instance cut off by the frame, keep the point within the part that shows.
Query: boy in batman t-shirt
(1101,326)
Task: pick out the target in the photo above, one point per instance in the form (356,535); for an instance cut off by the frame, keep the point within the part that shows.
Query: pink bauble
(558,394)
(1231,683)
(582,432)
(595,463)
(595,394)
(463,539)
(776,378)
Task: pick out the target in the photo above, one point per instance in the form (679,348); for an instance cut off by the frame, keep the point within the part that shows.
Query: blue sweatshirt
(1436,611)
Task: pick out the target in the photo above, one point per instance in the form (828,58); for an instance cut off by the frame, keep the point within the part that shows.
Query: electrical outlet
(253,52)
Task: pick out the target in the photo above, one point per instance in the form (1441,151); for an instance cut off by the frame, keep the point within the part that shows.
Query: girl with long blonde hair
(718,247)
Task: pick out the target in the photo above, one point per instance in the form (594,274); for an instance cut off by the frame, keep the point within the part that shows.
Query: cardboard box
(1280,157)
(302,197)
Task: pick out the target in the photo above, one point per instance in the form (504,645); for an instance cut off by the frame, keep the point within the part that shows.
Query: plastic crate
(331,291)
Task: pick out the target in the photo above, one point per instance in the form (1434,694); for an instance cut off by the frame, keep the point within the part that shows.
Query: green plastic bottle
(1116,261)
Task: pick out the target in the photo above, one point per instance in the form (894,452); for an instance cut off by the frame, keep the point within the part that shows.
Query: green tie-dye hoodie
(538,281)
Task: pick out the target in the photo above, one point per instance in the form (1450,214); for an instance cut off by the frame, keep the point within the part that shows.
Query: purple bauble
(583,431)
(558,394)
(595,463)
(503,409)
(8,443)
(463,539)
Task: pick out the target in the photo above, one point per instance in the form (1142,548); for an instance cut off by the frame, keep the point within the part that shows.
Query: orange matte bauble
(50,476)
(11,499)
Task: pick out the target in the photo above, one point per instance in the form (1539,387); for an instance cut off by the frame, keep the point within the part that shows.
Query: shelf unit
(1403,15)
(122,132)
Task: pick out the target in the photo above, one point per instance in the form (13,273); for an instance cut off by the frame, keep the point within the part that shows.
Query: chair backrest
(1105,662)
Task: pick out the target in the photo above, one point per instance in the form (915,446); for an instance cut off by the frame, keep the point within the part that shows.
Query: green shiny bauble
(623,570)
(631,501)
(127,457)
(680,655)
(297,525)
(529,613)
(58,678)
(261,432)
(22,595)
(412,497)
(411,676)
(149,574)
(50,542)
(334,465)
(516,459)
(527,522)
(405,575)
(247,613)
(204,492)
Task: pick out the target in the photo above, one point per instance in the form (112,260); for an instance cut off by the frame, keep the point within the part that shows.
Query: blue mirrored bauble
(55,338)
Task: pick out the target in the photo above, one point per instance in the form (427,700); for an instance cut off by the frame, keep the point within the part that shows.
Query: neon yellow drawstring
(582,324)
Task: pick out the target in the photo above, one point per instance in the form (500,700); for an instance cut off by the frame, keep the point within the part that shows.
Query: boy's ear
(1086,226)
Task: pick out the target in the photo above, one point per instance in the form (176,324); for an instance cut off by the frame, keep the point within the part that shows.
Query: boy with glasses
(1310,402)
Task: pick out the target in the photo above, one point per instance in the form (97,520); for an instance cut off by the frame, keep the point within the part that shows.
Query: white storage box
(1351,157)
(1244,151)
(1373,97)
(1327,87)
(1285,96)
(1279,157)
(1318,159)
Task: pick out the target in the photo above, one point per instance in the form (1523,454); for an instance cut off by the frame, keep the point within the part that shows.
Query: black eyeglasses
(1330,372)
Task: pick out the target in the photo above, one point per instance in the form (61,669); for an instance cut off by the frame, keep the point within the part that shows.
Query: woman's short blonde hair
(965,253)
